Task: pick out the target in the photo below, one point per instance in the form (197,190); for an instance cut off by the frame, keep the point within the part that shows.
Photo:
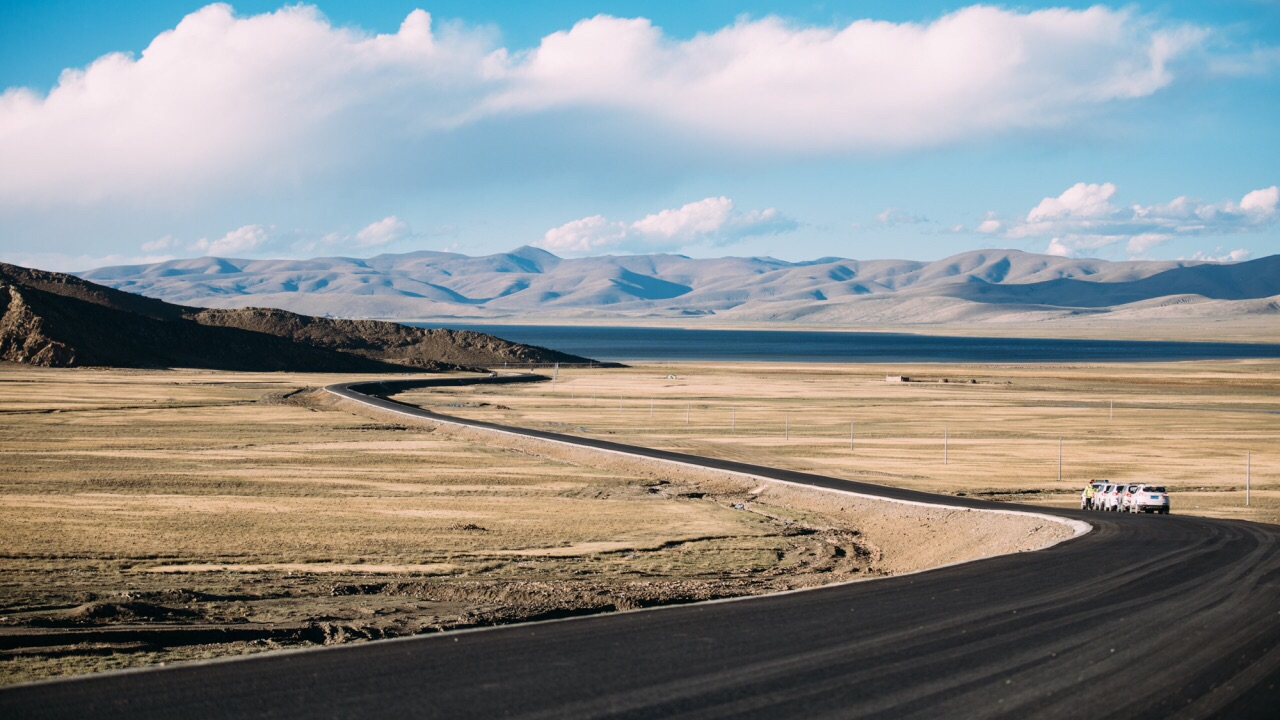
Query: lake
(621,344)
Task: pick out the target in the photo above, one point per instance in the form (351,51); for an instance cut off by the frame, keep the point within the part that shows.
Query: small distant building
(896,378)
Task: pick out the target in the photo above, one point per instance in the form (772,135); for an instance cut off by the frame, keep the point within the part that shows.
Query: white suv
(1150,498)
(1108,497)
(1126,495)
(1091,503)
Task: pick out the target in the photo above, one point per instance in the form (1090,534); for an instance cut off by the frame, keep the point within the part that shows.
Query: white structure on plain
(896,378)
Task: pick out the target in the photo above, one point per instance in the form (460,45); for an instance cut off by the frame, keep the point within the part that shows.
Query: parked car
(1126,495)
(1098,496)
(1150,498)
(1088,499)
(1108,499)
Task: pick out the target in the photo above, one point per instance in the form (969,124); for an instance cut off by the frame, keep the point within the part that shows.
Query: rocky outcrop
(22,336)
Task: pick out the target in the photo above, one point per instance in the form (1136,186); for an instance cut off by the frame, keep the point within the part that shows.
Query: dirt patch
(429,569)
(899,537)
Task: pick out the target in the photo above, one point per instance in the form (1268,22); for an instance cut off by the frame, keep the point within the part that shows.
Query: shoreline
(1259,329)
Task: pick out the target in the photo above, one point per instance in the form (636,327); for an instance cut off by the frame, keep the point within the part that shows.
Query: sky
(161,129)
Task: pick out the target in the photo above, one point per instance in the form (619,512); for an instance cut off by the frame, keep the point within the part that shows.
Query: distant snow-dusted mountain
(982,285)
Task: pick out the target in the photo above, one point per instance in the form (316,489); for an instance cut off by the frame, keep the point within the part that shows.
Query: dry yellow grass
(161,516)
(1188,425)
(226,502)
(215,499)
(215,468)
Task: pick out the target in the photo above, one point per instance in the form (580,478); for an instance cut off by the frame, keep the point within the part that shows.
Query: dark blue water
(620,344)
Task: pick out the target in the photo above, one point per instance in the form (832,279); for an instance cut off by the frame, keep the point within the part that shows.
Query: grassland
(1189,425)
(148,517)
(152,517)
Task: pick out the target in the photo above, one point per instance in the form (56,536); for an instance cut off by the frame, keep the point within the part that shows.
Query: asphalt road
(1146,616)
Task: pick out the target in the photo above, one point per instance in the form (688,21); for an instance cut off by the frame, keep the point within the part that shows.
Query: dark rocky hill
(58,320)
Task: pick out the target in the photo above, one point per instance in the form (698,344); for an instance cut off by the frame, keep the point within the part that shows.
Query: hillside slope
(58,320)
(982,285)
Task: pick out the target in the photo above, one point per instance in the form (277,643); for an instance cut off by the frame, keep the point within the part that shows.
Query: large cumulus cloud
(283,102)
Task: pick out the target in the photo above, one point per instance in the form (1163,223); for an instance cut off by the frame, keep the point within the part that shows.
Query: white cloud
(1261,203)
(1071,245)
(1219,256)
(222,101)
(584,236)
(1084,218)
(1081,200)
(896,216)
(228,106)
(242,240)
(383,232)
(689,222)
(1139,244)
(990,224)
(165,243)
(712,221)
(250,240)
(868,84)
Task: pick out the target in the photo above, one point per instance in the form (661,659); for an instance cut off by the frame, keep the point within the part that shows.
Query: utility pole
(944,444)
(555,376)
(850,436)
(788,425)
(687,410)
(733,419)
(1059,459)
(1111,414)
(1248,474)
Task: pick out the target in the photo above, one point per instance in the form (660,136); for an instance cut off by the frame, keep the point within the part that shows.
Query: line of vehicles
(1107,496)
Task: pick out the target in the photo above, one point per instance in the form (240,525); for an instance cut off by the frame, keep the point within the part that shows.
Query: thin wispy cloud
(897,216)
(1220,255)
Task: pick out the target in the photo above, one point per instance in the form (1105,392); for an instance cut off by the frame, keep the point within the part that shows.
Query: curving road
(1146,616)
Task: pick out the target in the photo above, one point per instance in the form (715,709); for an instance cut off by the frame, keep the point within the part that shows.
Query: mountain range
(976,286)
(58,320)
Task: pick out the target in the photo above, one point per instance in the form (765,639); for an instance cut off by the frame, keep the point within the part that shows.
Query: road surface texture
(1145,616)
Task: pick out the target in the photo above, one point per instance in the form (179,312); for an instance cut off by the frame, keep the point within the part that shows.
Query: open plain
(991,431)
(148,517)
(155,516)
(848,536)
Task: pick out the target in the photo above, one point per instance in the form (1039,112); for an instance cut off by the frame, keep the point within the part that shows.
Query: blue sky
(797,130)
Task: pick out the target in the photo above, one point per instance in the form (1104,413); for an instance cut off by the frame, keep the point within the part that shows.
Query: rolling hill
(981,286)
(59,320)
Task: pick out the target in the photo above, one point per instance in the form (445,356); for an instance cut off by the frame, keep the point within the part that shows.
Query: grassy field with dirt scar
(150,517)
(156,516)
(994,431)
